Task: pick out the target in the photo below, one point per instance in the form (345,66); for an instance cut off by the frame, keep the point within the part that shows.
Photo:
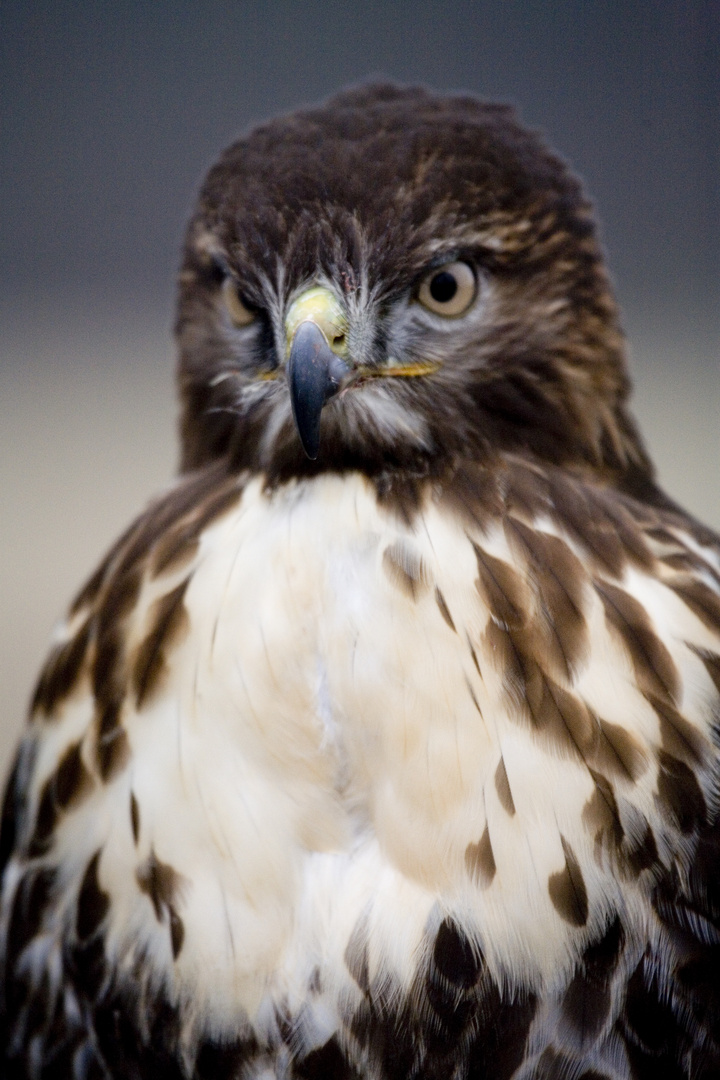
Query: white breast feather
(316,762)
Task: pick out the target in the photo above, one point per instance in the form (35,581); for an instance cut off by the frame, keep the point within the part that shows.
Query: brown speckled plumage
(400,761)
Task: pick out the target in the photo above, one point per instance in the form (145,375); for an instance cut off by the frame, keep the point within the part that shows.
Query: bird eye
(238,310)
(449,290)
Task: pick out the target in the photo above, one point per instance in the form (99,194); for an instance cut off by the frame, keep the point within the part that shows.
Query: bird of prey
(384,744)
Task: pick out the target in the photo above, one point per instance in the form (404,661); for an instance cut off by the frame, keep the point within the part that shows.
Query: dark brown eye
(238,311)
(449,290)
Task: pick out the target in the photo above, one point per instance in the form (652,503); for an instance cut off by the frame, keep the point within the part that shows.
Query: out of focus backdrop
(110,114)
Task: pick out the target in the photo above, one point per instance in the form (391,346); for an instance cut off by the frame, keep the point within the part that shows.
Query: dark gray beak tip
(314,374)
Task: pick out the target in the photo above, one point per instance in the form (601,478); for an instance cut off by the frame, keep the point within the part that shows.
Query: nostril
(338,341)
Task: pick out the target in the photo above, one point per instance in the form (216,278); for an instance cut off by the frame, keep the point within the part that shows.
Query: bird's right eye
(239,311)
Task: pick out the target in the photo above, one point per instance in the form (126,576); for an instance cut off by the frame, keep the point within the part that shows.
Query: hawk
(384,744)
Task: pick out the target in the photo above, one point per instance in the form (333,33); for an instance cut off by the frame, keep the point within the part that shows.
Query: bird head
(395,280)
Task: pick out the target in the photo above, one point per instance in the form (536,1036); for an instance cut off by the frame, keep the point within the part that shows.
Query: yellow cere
(319,305)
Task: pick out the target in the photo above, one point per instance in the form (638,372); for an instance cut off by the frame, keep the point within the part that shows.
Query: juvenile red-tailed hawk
(384,743)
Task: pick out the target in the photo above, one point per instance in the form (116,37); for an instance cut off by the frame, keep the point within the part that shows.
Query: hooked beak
(315,329)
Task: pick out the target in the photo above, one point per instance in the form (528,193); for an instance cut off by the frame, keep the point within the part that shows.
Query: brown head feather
(366,192)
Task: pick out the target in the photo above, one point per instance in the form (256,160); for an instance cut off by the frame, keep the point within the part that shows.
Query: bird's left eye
(448,290)
(238,310)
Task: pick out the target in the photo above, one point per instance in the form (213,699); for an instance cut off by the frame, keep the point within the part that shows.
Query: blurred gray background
(110,114)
